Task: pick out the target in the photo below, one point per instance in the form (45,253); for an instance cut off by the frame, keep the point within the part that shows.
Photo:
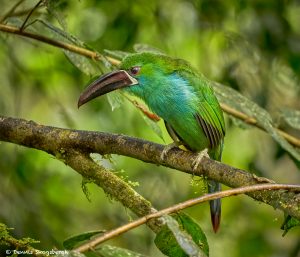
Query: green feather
(185,99)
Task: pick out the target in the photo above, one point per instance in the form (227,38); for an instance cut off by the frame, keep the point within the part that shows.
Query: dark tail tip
(215,220)
(215,205)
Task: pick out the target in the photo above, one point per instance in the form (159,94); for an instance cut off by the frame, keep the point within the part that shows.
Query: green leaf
(116,54)
(52,8)
(113,251)
(182,238)
(72,241)
(153,125)
(289,223)
(237,101)
(292,117)
(146,48)
(115,100)
(83,63)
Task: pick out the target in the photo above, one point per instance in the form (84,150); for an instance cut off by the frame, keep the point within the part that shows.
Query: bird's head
(139,74)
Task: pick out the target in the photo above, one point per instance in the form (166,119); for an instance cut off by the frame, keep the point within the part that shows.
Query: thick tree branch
(178,207)
(96,56)
(108,181)
(74,146)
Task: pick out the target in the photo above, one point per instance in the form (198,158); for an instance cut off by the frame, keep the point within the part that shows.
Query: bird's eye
(134,70)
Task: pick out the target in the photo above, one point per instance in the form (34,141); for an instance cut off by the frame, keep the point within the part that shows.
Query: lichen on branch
(74,146)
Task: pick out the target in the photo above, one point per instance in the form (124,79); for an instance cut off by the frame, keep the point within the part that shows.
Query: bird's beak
(105,84)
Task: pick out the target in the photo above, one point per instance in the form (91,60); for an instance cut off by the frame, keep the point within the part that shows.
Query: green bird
(177,93)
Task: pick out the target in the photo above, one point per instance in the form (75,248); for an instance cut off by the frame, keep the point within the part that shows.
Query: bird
(180,95)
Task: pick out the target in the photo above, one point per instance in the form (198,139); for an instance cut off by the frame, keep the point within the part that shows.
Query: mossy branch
(15,246)
(74,146)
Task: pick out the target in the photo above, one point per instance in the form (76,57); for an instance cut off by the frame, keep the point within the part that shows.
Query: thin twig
(252,121)
(96,56)
(50,41)
(29,14)
(178,207)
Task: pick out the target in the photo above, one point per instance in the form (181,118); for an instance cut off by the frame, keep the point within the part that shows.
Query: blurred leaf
(52,8)
(61,33)
(153,125)
(292,117)
(66,116)
(115,99)
(72,241)
(146,48)
(289,223)
(83,63)
(239,123)
(182,238)
(116,54)
(237,101)
(113,251)
(16,21)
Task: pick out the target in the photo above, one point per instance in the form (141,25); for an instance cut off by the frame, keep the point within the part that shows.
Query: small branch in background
(113,61)
(251,121)
(96,56)
(29,14)
(178,207)
(50,41)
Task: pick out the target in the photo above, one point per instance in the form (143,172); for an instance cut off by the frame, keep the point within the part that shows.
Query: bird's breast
(179,109)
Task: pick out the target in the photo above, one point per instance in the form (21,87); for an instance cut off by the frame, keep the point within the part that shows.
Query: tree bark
(74,146)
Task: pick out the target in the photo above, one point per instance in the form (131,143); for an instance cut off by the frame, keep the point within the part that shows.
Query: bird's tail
(213,187)
(215,205)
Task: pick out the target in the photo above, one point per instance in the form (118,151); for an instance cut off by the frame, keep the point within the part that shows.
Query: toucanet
(177,93)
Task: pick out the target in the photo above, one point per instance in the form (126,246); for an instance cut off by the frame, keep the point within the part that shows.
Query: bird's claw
(167,149)
(199,158)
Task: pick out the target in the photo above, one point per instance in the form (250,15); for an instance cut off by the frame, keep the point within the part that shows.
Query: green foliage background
(252,46)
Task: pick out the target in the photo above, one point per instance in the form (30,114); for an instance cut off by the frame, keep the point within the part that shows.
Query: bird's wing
(211,123)
(174,135)
(210,116)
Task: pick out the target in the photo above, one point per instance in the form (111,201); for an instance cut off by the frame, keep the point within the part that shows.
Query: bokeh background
(251,46)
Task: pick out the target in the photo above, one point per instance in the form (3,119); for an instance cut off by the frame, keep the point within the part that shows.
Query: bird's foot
(167,149)
(199,158)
